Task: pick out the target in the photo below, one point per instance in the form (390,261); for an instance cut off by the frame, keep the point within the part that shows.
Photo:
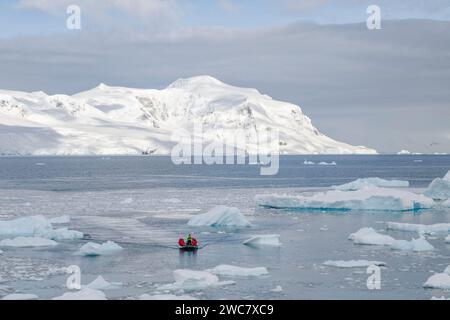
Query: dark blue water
(115,173)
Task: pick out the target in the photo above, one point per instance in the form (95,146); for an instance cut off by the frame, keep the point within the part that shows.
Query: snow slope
(118,120)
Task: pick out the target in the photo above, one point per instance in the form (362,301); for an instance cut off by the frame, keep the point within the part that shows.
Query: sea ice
(370,182)
(368,236)
(220,216)
(20,296)
(191,280)
(371,198)
(234,271)
(95,249)
(352,263)
(83,294)
(419,228)
(264,240)
(22,242)
(439,189)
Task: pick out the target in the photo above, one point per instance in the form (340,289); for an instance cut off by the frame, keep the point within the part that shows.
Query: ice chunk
(439,280)
(60,220)
(191,280)
(20,296)
(220,216)
(37,226)
(439,189)
(101,284)
(403,152)
(165,297)
(308,163)
(419,228)
(352,263)
(95,249)
(371,198)
(370,182)
(446,203)
(447,239)
(323,163)
(264,240)
(418,245)
(277,289)
(83,294)
(234,271)
(22,242)
(368,236)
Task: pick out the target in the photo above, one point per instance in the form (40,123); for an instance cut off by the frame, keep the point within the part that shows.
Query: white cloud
(143,9)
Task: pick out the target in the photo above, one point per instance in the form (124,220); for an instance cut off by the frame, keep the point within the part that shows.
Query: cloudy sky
(387,89)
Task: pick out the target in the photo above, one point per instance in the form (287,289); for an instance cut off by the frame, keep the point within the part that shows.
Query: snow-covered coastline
(124,121)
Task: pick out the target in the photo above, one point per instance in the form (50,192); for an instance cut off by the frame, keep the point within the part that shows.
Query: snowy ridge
(118,120)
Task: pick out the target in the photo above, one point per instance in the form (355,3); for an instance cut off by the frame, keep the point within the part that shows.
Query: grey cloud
(386,89)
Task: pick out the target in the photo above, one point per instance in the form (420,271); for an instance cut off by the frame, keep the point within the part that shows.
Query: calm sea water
(144,203)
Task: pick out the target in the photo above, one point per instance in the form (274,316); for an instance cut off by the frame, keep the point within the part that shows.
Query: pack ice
(370,198)
(220,216)
(439,189)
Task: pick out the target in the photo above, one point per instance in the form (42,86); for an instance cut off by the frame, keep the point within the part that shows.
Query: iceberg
(439,189)
(323,163)
(439,280)
(277,289)
(352,263)
(263,240)
(60,220)
(220,216)
(20,296)
(371,198)
(101,284)
(368,236)
(191,280)
(447,239)
(371,182)
(37,226)
(92,249)
(308,163)
(83,294)
(419,228)
(23,242)
(234,271)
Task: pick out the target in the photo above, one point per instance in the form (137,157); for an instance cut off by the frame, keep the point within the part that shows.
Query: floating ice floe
(191,280)
(323,163)
(23,242)
(220,216)
(234,271)
(83,294)
(403,152)
(101,284)
(447,239)
(371,198)
(308,163)
(352,263)
(368,236)
(165,297)
(36,226)
(439,189)
(446,203)
(264,240)
(439,280)
(20,296)
(92,249)
(371,182)
(419,228)
(127,201)
(277,289)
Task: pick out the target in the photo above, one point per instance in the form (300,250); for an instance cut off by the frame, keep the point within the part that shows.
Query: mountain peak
(195,81)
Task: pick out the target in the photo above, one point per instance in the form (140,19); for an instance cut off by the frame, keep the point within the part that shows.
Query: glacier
(125,121)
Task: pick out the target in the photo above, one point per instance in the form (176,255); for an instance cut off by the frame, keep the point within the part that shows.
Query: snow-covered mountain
(117,120)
